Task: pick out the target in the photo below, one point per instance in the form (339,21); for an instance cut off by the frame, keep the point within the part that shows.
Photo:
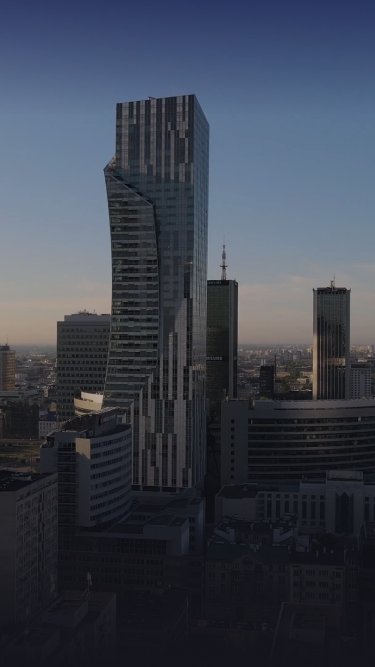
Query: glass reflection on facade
(157,188)
(331,343)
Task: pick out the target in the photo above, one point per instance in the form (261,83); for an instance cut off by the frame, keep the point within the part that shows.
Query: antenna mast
(224,264)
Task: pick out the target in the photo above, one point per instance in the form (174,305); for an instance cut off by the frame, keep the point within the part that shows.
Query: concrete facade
(82,352)
(28,545)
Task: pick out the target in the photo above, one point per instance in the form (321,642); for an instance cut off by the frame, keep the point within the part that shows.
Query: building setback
(82,351)
(331,343)
(157,188)
(222,343)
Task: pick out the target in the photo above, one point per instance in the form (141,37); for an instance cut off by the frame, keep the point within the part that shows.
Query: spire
(224,264)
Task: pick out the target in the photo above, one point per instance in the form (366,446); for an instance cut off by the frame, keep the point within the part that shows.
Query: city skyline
(291,116)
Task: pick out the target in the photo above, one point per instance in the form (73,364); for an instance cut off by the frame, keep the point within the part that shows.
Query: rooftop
(149,610)
(13,481)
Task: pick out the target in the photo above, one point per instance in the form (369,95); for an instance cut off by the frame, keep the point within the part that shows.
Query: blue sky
(288,89)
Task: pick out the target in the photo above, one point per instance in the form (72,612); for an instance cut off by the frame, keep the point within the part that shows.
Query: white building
(82,351)
(28,545)
(360,380)
(94,455)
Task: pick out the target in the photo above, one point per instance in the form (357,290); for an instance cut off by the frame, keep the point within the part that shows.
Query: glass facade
(222,342)
(331,343)
(157,188)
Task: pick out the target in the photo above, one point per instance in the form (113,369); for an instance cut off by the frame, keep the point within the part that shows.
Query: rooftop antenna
(224,264)
(333,282)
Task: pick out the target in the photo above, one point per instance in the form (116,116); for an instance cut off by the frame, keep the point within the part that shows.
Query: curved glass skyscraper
(157,188)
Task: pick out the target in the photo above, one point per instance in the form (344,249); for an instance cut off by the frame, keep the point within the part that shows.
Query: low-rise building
(338,503)
(77,628)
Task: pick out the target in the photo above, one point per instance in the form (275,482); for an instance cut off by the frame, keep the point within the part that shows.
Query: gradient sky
(288,90)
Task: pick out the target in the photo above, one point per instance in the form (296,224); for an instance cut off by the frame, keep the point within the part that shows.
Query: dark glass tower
(331,343)
(157,188)
(222,342)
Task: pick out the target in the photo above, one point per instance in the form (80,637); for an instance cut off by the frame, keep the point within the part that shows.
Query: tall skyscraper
(7,368)
(82,353)
(157,188)
(222,340)
(331,343)
(266,381)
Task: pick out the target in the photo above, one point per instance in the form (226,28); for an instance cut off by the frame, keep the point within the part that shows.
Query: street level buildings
(331,343)
(82,351)
(157,188)
(7,368)
(28,545)
(222,343)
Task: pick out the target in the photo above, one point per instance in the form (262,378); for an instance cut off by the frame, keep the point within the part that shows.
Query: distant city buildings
(360,380)
(82,352)
(28,545)
(331,343)
(157,188)
(7,368)
(222,343)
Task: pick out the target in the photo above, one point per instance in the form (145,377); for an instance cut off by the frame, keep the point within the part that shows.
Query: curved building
(278,441)
(157,188)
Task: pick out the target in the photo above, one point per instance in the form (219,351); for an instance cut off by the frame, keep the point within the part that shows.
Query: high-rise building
(28,545)
(360,380)
(222,342)
(266,381)
(7,368)
(157,188)
(331,343)
(82,352)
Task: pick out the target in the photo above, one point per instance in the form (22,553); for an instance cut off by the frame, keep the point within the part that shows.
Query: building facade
(28,545)
(331,343)
(339,503)
(222,343)
(7,368)
(92,454)
(360,380)
(157,188)
(266,381)
(285,441)
(82,351)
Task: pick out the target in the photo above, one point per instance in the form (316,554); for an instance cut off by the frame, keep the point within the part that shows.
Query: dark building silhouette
(266,381)
(222,342)
(331,343)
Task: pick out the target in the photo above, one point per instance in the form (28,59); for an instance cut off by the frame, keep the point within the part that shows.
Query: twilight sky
(288,89)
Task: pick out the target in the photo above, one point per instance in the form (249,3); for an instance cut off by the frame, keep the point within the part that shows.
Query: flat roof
(13,481)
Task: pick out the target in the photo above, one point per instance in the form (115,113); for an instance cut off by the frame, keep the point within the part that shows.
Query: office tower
(28,545)
(157,188)
(93,455)
(331,343)
(360,380)
(82,352)
(277,441)
(7,368)
(266,381)
(222,340)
